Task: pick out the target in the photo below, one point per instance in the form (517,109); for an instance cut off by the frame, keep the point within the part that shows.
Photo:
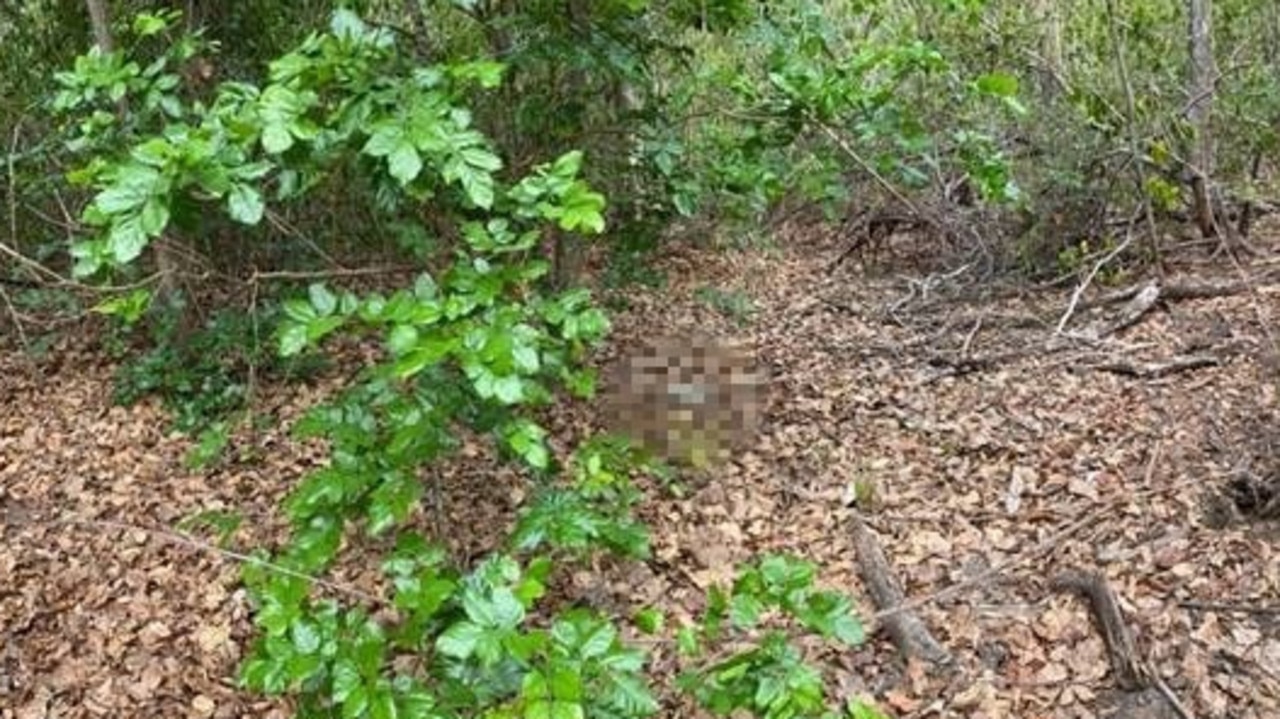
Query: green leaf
(280,109)
(509,389)
(538,709)
(528,441)
(568,165)
(317,329)
(649,620)
(533,586)
(745,611)
(460,640)
(129,308)
(598,641)
(630,693)
(154,217)
(293,339)
(535,686)
(526,358)
(486,72)
(299,310)
(567,710)
(382,704)
(402,339)
(131,186)
(860,709)
(687,642)
(580,383)
(999,84)
(154,152)
(481,159)
(427,354)
(404,164)
(479,187)
(346,679)
(416,702)
(252,170)
(566,684)
(391,503)
(305,636)
(126,239)
(322,299)
(276,139)
(384,140)
(356,703)
(425,287)
(499,610)
(245,204)
(849,630)
(346,24)
(147,24)
(210,443)
(423,596)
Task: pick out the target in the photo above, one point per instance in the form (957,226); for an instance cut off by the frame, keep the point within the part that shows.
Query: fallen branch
(1040,549)
(905,629)
(1088,280)
(1178,291)
(18,516)
(1152,370)
(960,366)
(1131,673)
(1235,607)
(258,276)
(1133,311)
(1139,683)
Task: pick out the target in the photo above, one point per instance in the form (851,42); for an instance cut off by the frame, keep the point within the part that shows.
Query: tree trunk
(101,24)
(570,251)
(1201,81)
(1051,73)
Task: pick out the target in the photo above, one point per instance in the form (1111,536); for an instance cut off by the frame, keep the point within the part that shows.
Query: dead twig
(968,340)
(848,150)
(13,185)
(179,539)
(1234,607)
(923,286)
(21,331)
(327,274)
(1088,280)
(1041,548)
(1152,370)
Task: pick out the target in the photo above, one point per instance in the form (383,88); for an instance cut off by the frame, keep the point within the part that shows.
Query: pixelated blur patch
(687,399)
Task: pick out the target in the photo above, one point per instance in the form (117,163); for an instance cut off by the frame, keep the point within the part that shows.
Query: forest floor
(999,456)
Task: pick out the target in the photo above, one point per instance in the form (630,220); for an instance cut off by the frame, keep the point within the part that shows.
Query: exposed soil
(998,460)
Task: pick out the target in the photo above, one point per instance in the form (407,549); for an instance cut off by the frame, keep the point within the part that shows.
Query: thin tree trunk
(1131,119)
(1202,77)
(101,25)
(569,250)
(1051,73)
